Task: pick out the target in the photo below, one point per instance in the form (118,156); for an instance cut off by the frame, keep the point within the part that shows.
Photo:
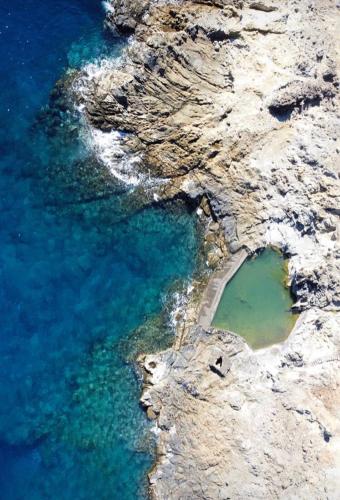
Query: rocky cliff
(235,103)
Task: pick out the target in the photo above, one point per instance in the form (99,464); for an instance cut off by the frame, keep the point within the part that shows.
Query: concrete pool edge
(213,292)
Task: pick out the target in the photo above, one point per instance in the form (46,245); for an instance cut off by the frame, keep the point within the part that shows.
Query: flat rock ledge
(235,103)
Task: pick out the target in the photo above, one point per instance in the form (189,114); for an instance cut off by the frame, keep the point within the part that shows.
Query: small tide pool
(256,303)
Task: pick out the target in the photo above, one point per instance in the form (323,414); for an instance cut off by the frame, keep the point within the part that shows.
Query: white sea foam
(108,7)
(123,165)
(108,146)
(94,72)
(178,312)
(108,149)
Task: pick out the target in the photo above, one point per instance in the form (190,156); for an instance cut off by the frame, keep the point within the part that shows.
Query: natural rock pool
(256,303)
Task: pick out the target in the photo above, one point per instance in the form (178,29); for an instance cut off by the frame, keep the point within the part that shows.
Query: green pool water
(256,304)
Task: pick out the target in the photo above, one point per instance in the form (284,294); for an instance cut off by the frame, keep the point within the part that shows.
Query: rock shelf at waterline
(235,103)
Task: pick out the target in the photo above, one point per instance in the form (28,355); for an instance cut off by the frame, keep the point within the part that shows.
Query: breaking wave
(108,146)
(179,306)
(108,149)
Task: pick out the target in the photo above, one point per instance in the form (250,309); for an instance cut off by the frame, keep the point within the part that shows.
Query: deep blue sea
(81,272)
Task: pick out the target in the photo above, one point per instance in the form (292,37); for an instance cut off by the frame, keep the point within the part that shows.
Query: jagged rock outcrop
(124,15)
(297,95)
(236,102)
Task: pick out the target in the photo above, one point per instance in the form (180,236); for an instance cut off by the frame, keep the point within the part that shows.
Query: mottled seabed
(83,270)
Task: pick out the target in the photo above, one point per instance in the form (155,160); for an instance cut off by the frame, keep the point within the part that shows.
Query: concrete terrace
(214,290)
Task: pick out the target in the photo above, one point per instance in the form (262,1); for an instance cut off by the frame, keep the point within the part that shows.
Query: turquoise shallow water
(80,270)
(256,304)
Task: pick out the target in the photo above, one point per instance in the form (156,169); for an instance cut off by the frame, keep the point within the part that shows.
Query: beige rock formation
(237,102)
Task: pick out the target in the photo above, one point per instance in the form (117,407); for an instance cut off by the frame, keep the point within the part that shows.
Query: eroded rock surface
(256,425)
(236,102)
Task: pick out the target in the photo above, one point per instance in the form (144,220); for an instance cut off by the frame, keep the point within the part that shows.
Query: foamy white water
(108,146)
(108,149)
(94,72)
(108,7)
(180,300)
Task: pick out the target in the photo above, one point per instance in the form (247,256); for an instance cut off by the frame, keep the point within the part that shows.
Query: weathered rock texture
(235,102)
(263,425)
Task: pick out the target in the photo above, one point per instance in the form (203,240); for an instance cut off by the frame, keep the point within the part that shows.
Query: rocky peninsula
(234,104)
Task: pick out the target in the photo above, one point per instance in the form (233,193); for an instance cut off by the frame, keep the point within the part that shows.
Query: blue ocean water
(80,269)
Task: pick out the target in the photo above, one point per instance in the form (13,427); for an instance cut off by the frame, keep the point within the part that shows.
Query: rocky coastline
(234,104)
